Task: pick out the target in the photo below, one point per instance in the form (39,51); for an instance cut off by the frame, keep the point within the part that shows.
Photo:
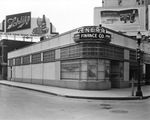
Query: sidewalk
(112,94)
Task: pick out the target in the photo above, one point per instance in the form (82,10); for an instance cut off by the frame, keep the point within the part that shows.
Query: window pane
(26,59)
(70,69)
(84,75)
(18,61)
(101,75)
(49,56)
(36,58)
(92,69)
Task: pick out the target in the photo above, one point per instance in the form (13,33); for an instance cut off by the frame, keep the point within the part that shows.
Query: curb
(83,97)
(111,98)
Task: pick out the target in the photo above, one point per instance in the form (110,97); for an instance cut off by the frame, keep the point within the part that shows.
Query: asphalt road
(22,104)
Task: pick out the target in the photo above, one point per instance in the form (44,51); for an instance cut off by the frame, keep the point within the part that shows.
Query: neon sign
(92,33)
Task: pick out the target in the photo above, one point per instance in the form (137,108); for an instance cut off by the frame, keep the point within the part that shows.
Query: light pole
(139,37)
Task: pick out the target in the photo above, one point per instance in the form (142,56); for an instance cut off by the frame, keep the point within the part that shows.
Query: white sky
(65,15)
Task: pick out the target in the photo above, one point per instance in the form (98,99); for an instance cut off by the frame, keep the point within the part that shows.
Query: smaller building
(89,57)
(5,47)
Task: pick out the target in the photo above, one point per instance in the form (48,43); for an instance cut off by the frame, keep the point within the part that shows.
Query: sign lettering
(92,33)
(18,22)
(93,29)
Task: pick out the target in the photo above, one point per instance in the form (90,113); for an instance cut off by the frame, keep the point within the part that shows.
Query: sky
(65,15)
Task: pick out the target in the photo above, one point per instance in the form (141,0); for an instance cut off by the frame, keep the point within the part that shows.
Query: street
(23,104)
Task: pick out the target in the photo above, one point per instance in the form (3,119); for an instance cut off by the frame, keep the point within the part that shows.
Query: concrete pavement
(112,94)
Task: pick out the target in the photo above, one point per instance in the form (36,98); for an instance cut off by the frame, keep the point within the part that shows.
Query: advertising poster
(121,19)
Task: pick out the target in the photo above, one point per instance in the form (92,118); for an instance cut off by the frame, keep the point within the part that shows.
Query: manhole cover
(107,108)
(105,104)
(119,111)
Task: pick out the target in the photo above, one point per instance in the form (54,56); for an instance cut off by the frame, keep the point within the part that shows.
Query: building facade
(5,47)
(90,57)
(125,16)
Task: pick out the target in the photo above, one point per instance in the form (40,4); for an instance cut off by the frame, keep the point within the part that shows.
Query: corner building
(69,61)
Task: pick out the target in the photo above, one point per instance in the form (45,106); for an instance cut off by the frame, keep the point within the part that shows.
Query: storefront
(90,57)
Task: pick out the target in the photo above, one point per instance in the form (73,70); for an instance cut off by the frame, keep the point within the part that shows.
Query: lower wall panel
(18,80)
(25,80)
(72,84)
(37,71)
(83,85)
(120,84)
(37,81)
(26,72)
(18,72)
(9,73)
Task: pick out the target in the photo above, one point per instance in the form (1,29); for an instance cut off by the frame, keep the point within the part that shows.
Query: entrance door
(116,73)
(147,76)
(10,73)
(0,72)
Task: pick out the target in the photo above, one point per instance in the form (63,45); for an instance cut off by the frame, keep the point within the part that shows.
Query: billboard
(121,19)
(24,26)
(18,22)
(42,27)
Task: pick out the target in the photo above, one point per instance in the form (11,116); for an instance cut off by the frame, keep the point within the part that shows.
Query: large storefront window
(70,70)
(85,69)
(92,70)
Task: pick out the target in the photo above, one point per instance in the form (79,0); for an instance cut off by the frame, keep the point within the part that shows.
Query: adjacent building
(5,47)
(20,30)
(124,16)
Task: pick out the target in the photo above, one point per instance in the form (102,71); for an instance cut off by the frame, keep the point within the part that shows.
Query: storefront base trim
(71,84)
(81,85)
(27,80)
(120,84)
(17,79)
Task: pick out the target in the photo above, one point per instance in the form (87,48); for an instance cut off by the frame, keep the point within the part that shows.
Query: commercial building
(78,59)
(90,57)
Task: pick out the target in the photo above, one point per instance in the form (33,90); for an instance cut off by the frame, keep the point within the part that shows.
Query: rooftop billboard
(25,26)
(18,22)
(120,19)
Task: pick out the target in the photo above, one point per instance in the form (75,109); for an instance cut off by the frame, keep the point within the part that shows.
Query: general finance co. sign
(18,22)
(92,33)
